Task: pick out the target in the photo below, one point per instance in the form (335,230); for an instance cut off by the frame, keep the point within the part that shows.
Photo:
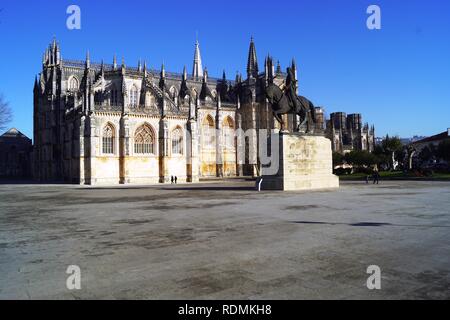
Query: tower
(252,62)
(197,70)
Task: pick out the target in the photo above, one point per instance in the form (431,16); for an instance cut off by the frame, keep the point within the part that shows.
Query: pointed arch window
(98,98)
(144,140)
(114,96)
(108,139)
(134,96)
(228,133)
(149,99)
(173,92)
(209,132)
(73,84)
(177,141)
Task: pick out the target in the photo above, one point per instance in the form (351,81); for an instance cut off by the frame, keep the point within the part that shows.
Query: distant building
(415,149)
(378,141)
(348,133)
(320,118)
(434,140)
(15,155)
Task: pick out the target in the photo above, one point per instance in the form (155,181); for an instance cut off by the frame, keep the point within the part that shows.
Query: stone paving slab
(223,240)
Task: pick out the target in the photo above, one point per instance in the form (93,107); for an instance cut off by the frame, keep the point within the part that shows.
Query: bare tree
(5,113)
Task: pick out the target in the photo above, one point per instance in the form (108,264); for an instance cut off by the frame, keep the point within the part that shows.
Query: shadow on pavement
(368,224)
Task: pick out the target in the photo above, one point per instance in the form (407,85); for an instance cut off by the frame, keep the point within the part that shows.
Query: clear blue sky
(397,77)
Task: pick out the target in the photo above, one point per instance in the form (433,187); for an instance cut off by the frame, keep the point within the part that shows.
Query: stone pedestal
(305,163)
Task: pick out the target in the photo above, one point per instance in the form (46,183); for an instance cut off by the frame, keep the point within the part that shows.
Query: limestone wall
(142,169)
(105,170)
(305,163)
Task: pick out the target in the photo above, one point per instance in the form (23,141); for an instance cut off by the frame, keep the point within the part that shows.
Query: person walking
(171,179)
(376,177)
(176,179)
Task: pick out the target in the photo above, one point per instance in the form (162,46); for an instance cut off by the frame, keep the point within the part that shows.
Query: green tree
(427,153)
(361,158)
(391,146)
(338,159)
(378,150)
(443,150)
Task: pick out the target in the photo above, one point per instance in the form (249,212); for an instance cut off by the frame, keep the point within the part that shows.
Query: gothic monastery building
(97,123)
(100,123)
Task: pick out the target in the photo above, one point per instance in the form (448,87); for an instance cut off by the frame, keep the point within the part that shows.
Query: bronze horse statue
(288,102)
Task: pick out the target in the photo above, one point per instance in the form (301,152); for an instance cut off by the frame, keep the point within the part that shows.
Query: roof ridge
(14,132)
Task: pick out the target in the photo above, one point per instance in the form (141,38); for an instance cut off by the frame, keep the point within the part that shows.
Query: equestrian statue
(287,102)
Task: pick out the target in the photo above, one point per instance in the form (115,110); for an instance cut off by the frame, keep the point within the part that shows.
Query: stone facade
(100,123)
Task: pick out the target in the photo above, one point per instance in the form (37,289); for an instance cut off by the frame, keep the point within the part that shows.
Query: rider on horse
(291,91)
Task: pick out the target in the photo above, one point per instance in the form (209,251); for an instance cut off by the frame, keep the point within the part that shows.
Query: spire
(145,68)
(139,65)
(197,70)
(47,56)
(278,67)
(252,63)
(205,92)
(114,62)
(238,77)
(102,69)
(184,73)
(183,88)
(205,75)
(163,71)
(272,67)
(57,52)
(162,79)
(266,70)
(224,87)
(123,66)
(88,60)
(269,69)
(54,43)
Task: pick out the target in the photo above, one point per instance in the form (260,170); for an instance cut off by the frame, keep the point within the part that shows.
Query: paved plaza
(223,240)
